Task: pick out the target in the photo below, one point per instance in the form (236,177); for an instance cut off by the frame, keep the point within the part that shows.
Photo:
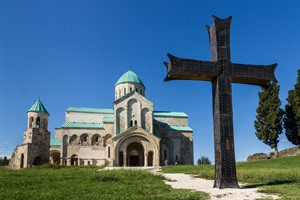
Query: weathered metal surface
(221,72)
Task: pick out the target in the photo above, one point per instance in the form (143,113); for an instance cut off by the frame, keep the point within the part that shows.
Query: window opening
(108,152)
(38,122)
(30,122)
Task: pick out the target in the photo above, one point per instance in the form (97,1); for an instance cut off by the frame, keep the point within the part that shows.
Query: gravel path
(186,181)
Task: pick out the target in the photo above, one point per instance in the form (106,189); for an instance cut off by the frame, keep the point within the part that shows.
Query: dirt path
(185,181)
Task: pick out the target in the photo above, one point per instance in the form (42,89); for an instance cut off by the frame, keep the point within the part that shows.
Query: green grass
(276,176)
(57,182)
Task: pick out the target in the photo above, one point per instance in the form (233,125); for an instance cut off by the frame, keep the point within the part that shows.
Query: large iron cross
(221,72)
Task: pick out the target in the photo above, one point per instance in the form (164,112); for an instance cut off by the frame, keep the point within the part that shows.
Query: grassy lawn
(276,176)
(57,182)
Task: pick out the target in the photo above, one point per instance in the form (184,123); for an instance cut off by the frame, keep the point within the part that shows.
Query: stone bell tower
(36,142)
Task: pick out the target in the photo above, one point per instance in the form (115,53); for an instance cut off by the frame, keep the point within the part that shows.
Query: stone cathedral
(132,133)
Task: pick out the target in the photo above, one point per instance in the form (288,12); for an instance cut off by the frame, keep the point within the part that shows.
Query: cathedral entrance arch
(135,154)
(74,159)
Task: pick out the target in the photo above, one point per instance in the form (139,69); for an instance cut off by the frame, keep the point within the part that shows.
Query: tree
(292,114)
(268,123)
(4,161)
(203,160)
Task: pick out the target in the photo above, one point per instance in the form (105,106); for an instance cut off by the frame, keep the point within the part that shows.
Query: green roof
(129,77)
(55,142)
(169,114)
(91,110)
(82,125)
(38,107)
(180,128)
(108,120)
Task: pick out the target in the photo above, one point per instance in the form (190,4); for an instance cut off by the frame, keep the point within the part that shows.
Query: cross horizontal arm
(188,69)
(253,74)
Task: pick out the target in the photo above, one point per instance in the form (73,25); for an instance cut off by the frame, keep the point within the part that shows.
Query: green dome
(38,107)
(129,77)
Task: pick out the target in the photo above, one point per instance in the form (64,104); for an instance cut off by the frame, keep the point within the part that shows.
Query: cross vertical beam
(225,167)
(221,72)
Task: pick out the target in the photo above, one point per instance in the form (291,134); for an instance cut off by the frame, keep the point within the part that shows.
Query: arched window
(135,122)
(84,139)
(124,91)
(22,161)
(96,140)
(74,140)
(130,89)
(108,152)
(38,121)
(136,89)
(30,122)
(131,123)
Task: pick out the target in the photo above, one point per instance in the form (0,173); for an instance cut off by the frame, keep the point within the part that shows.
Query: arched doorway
(150,158)
(135,154)
(22,161)
(37,161)
(74,159)
(55,157)
(121,163)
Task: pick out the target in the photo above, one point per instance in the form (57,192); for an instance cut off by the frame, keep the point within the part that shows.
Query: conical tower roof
(129,77)
(38,107)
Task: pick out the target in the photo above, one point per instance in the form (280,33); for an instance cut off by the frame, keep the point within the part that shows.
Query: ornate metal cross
(221,72)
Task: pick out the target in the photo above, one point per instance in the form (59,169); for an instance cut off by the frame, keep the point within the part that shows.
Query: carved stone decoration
(221,72)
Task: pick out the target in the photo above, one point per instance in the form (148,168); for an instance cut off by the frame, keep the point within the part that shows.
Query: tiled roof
(129,77)
(91,110)
(108,120)
(38,107)
(180,128)
(169,114)
(55,142)
(82,125)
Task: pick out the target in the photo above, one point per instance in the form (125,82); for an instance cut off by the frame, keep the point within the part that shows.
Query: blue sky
(71,53)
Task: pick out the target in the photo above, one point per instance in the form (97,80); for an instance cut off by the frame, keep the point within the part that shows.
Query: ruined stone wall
(16,160)
(176,146)
(91,146)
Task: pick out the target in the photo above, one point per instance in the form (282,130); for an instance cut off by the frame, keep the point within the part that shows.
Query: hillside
(294,151)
